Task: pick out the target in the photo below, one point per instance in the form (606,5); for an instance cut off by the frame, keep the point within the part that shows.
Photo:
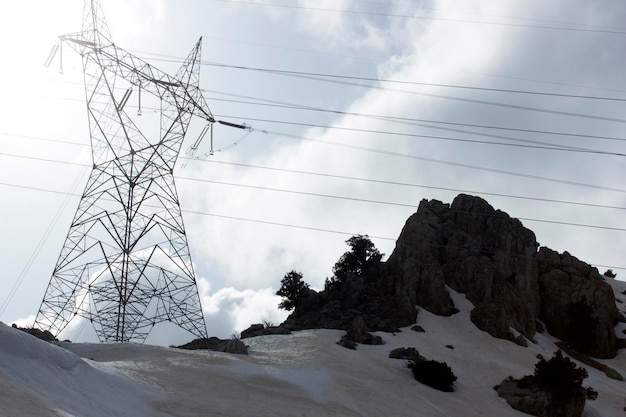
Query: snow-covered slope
(303,374)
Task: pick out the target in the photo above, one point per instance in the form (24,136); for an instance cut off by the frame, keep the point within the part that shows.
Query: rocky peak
(490,257)
(494,260)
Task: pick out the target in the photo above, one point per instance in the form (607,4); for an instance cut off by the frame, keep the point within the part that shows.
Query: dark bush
(435,374)
(560,376)
(609,273)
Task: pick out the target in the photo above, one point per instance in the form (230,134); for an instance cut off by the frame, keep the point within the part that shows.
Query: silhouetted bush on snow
(435,374)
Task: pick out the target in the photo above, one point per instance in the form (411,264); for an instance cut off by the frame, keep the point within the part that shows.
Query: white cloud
(243,307)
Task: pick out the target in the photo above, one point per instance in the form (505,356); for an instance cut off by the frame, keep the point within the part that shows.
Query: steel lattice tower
(125,264)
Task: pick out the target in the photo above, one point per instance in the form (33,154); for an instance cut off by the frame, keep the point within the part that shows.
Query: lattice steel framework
(125,264)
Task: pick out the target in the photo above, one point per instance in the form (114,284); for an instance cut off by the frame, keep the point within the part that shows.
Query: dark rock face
(371,298)
(493,259)
(577,306)
(528,397)
(476,250)
(490,257)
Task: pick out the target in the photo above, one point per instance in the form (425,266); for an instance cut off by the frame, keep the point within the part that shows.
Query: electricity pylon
(125,265)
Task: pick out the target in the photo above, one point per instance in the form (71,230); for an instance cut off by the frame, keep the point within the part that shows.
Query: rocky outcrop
(263,330)
(577,306)
(474,249)
(39,334)
(409,354)
(216,344)
(494,260)
(528,397)
(359,333)
(372,298)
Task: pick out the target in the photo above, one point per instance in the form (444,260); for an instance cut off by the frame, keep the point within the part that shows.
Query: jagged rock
(526,396)
(409,353)
(493,259)
(576,304)
(216,344)
(414,265)
(262,330)
(476,250)
(347,343)
(358,333)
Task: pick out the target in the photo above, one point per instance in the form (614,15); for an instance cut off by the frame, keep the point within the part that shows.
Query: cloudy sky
(360,109)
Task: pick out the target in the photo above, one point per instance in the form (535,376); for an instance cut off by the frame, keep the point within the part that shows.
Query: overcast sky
(446,58)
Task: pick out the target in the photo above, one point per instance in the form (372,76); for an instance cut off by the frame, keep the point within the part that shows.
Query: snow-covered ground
(303,374)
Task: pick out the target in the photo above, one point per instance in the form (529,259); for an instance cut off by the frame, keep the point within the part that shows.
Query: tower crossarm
(144,76)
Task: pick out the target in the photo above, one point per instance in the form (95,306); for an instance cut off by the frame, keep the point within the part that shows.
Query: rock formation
(216,344)
(490,257)
(530,398)
(577,306)
(262,330)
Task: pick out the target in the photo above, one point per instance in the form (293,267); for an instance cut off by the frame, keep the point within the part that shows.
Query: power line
(481,102)
(320,174)
(336,197)
(415,157)
(386,3)
(305,74)
(450,163)
(174,58)
(280,190)
(537,144)
(337,78)
(404,184)
(317,229)
(404,16)
(413,121)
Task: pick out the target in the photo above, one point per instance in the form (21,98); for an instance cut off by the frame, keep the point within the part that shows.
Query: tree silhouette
(362,254)
(292,289)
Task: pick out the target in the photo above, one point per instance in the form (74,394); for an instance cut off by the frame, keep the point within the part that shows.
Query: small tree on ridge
(292,289)
(362,254)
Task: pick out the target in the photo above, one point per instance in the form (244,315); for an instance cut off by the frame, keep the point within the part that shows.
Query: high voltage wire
(457,190)
(525,143)
(174,58)
(408,5)
(405,16)
(311,194)
(481,102)
(415,157)
(402,82)
(450,163)
(546,146)
(317,229)
(412,121)
(336,78)
(314,174)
